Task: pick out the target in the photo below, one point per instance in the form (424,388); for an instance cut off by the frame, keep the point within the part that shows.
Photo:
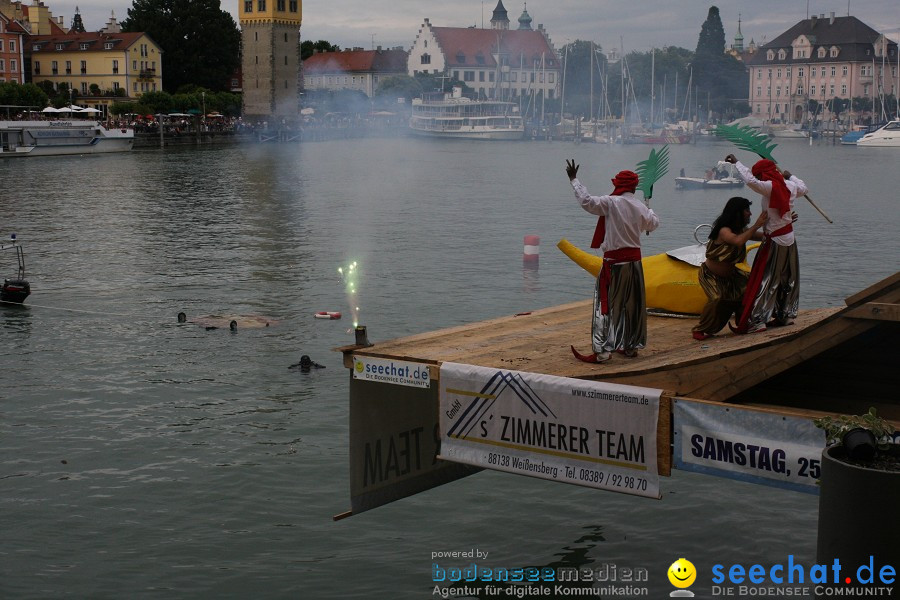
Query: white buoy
(532,251)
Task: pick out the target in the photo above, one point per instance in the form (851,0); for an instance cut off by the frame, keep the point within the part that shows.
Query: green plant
(836,426)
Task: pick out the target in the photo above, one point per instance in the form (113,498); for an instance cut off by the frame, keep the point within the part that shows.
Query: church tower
(739,37)
(270,46)
(525,20)
(500,18)
(77,23)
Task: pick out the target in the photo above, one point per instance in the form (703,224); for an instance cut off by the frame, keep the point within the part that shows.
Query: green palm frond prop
(747,138)
(652,170)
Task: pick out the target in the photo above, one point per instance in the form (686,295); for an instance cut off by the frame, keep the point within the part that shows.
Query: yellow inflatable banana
(671,284)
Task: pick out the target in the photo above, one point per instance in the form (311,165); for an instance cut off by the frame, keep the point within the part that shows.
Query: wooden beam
(664,436)
(878,311)
(876,289)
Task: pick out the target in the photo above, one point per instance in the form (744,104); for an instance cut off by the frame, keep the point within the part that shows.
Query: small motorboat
(720,177)
(887,136)
(15,289)
(853,136)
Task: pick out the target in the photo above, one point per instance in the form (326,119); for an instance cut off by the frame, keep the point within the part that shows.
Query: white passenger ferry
(53,138)
(454,116)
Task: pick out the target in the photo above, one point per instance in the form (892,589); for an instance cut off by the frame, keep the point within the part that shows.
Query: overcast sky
(637,25)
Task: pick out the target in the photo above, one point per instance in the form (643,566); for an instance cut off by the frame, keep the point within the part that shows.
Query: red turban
(780,199)
(625,181)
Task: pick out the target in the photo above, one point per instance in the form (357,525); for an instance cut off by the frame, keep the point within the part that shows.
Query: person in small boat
(619,319)
(721,280)
(772,297)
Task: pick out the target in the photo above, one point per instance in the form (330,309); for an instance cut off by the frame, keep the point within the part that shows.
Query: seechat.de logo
(682,575)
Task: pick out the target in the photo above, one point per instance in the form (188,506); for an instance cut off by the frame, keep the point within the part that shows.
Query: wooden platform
(716,369)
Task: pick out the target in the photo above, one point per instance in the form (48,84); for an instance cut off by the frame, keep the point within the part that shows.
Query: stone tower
(270,45)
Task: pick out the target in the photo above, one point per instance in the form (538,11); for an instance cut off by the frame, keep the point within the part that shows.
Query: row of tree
(191,99)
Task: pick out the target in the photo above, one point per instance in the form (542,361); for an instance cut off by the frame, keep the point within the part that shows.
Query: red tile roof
(363,61)
(472,44)
(74,40)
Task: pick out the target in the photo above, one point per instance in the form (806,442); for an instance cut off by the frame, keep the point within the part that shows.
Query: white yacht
(54,138)
(454,116)
(886,137)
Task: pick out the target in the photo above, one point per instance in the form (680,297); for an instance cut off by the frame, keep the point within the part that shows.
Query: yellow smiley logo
(682,573)
(359,366)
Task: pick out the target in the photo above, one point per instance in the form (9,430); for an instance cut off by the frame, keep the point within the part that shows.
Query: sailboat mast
(592,81)
(543,91)
(652,83)
(562,101)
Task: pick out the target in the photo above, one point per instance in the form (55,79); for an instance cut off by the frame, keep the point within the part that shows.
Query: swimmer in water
(306,363)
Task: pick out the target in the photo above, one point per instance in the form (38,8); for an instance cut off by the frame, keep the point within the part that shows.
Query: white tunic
(776,221)
(626,217)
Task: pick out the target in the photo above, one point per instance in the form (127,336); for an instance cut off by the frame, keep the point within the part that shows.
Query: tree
(711,43)
(722,77)
(401,86)
(199,40)
(157,102)
(308,48)
(578,79)
(25,95)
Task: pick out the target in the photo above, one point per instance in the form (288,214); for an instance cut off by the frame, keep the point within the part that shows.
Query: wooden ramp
(833,360)
(717,369)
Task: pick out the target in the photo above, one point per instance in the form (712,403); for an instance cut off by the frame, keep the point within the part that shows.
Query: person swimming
(306,363)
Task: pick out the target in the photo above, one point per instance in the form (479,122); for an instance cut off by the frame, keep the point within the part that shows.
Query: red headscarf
(780,199)
(625,181)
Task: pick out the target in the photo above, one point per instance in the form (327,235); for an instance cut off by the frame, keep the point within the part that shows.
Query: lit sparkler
(349,277)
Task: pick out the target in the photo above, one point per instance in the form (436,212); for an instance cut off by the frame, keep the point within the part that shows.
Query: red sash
(610,258)
(754,282)
(784,230)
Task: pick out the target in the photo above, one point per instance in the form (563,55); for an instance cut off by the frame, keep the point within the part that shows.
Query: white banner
(589,433)
(748,445)
(397,372)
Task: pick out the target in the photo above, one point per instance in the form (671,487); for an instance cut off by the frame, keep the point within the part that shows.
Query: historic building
(12,59)
(270,65)
(36,18)
(100,67)
(499,62)
(355,69)
(820,58)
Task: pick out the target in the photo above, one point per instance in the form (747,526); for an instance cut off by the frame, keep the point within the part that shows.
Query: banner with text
(589,433)
(748,445)
(397,372)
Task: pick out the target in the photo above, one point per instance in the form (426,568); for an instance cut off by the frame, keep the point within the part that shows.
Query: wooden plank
(880,311)
(875,290)
(664,436)
(715,369)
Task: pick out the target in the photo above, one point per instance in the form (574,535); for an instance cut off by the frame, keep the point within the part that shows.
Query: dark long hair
(732,217)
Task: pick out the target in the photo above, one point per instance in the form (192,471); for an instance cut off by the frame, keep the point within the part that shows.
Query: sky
(637,26)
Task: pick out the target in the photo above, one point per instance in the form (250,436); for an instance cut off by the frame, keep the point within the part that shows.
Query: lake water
(143,458)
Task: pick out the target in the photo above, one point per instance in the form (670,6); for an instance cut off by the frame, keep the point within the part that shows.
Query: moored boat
(54,138)
(722,176)
(886,137)
(455,116)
